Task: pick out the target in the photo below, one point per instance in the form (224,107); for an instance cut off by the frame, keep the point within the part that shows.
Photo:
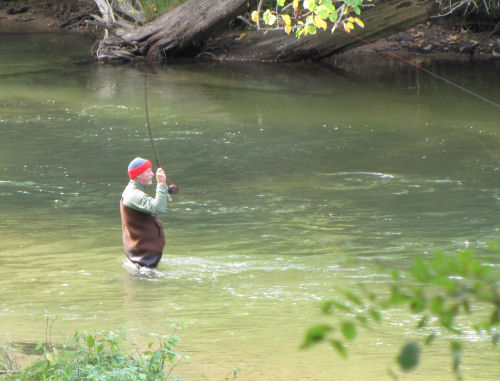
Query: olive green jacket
(136,198)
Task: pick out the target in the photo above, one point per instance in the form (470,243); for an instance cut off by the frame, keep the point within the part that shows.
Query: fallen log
(200,28)
(385,18)
(182,31)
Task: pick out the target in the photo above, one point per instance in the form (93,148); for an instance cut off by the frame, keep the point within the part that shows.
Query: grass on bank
(154,8)
(102,356)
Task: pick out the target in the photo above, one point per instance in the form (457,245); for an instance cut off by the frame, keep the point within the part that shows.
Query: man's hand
(161,177)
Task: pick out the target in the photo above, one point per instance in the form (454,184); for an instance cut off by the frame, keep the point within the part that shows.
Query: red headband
(139,169)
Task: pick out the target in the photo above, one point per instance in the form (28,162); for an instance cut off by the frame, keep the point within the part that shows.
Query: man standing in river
(143,236)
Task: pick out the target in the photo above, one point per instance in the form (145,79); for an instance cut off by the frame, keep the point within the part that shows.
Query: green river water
(295,182)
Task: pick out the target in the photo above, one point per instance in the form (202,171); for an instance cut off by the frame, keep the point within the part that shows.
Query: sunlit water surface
(296,182)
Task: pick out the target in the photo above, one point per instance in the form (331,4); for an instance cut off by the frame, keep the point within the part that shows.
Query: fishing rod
(172,188)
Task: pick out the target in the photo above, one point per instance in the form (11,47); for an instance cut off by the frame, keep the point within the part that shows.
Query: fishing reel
(173,189)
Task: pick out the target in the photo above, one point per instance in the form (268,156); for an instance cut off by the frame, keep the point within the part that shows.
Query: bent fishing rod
(172,188)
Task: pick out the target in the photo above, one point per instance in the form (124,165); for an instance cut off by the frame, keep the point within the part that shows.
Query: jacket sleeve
(142,202)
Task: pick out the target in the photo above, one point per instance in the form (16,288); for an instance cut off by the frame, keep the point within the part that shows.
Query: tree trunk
(201,28)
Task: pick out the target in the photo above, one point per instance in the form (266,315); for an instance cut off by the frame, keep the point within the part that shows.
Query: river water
(296,182)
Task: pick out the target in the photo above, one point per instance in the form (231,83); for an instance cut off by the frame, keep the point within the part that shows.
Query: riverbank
(439,40)
(436,42)
(43,16)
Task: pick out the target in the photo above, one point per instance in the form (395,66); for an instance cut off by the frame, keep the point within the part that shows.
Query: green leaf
(396,274)
(316,334)
(311,29)
(483,326)
(437,305)
(420,269)
(333,17)
(376,315)
(409,356)
(448,284)
(340,347)
(329,305)
(326,307)
(446,319)
(310,4)
(281,3)
(269,17)
(323,12)
(157,355)
(430,339)
(443,263)
(353,298)
(328,5)
(418,304)
(397,297)
(423,322)
(348,330)
(90,341)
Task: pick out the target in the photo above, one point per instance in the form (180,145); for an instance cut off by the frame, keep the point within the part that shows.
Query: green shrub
(105,356)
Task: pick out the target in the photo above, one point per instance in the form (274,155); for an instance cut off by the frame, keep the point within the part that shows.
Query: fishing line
(397,56)
(491,103)
(459,109)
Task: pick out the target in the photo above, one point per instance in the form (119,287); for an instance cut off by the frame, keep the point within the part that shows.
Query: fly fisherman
(143,236)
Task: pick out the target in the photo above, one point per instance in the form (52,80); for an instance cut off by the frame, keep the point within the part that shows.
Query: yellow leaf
(300,22)
(295,5)
(347,28)
(350,19)
(288,29)
(319,22)
(241,36)
(287,20)
(255,17)
(359,22)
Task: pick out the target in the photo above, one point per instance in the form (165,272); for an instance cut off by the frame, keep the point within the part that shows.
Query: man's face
(146,177)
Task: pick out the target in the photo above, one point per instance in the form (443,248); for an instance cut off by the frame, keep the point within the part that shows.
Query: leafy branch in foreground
(437,292)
